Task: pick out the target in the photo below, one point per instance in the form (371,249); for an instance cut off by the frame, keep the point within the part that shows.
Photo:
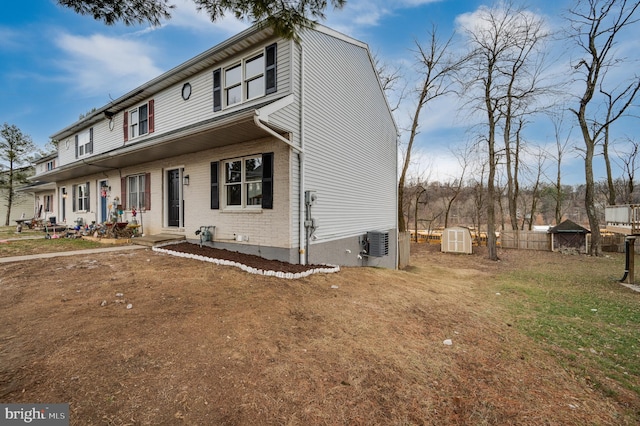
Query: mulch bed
(245,259)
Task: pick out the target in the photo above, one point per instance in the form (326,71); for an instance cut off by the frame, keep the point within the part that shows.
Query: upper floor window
(84,144)
(51,165)
(139,121)
(252,77)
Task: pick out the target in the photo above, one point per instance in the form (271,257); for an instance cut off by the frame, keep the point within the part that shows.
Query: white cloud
(359,14)
(186,16)
(9,38)
(100,65)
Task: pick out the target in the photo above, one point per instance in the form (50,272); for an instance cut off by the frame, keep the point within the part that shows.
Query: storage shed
(568,235)
(457,239)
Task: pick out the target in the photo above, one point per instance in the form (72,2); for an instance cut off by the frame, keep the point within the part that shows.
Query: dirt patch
(145,338)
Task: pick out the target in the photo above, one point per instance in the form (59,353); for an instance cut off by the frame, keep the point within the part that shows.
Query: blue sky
(56,65)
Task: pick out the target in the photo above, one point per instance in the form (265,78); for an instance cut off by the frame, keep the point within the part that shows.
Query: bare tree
(390,80)
(541,159)
(562,139)
(521,69)
(437,66)
(454,187)
(630,164)
(504,73)
(595,27)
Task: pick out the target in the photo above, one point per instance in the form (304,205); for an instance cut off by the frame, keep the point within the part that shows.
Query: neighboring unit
(287,148)
(22,205)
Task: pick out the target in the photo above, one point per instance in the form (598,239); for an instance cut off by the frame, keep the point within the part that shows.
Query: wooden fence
(525,240)
(532,240)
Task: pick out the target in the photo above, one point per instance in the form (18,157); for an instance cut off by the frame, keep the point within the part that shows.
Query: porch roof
(220,131)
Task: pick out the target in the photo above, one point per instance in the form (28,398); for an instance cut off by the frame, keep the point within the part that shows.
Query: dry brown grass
(205,344)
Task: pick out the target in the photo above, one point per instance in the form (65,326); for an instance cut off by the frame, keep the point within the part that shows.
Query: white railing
(623,219)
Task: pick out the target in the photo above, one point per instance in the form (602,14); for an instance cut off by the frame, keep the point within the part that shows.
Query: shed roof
(568,226)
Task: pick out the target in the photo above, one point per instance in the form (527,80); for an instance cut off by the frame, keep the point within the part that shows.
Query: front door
(104,185)
(63,206)
(173,197)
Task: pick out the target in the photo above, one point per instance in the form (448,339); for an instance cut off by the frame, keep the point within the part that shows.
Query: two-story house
(287,147)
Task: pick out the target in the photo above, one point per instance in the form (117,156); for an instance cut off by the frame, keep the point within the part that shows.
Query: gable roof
(246,39)
(568,226)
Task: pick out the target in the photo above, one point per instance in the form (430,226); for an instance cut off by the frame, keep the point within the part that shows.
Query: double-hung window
(139,121)
(243,182)
(232,85)
(136,191)
(254,76)
(84,143)
(246,183)
(249,78)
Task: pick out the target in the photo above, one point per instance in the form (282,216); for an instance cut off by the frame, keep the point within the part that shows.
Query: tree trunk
(491,190)
(589,197)
(611,190)
(558,196)
(511,197)
(402,227)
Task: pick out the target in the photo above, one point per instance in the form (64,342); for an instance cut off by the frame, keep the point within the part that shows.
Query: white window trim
(140,191)
(243,184)
(84,143)
(84,187)
(134,127)
(243,79)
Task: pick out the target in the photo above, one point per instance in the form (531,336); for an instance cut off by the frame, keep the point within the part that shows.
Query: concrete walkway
(69,253)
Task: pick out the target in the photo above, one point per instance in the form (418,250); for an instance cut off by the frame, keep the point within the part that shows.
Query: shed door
(455,240)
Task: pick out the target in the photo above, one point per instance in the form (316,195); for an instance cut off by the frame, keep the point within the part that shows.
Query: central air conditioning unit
(378,244)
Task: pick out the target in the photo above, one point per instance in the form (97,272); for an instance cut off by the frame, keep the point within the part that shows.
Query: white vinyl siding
(350,134)
(171,112)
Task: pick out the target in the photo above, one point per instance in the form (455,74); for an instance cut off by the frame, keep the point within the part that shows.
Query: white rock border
(329,269)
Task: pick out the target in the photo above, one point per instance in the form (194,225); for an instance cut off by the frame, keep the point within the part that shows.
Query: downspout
(300,151)
(302,232)
(260,124)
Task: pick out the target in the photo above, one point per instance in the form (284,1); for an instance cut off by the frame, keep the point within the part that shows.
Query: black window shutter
(88,196)
(90,149)
(215,186)
(73,197)
(267,181)
(76,146)
(125,125)
(217,90)
(270,69)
